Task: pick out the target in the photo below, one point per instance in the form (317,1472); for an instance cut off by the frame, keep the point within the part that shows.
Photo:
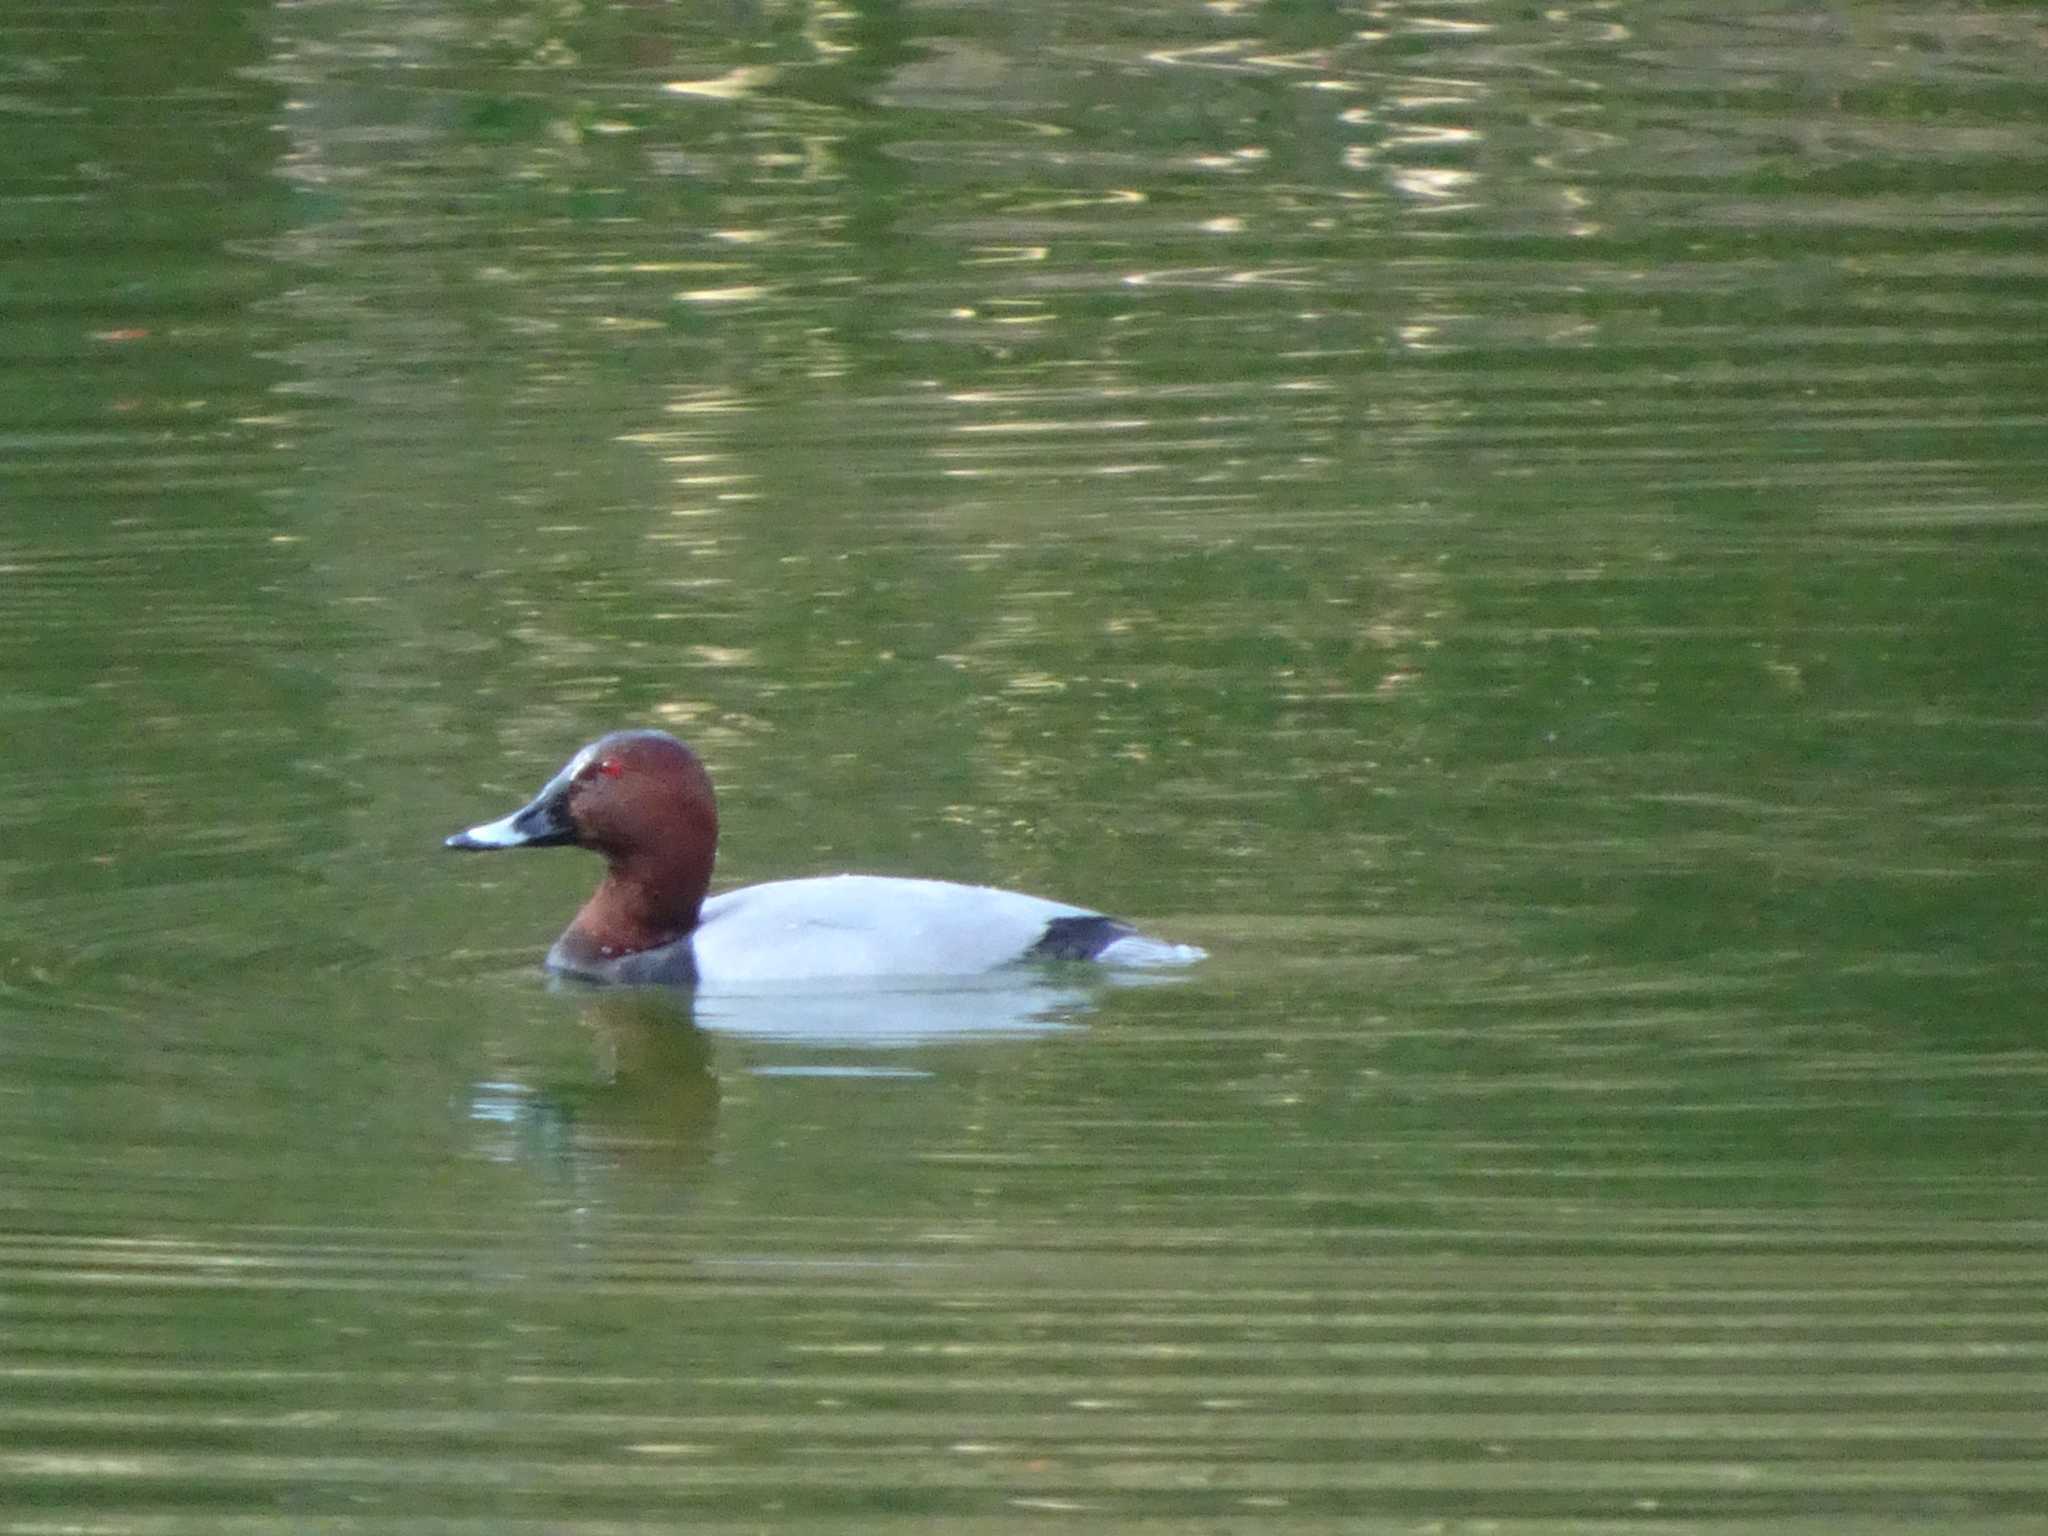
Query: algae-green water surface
(1523,531)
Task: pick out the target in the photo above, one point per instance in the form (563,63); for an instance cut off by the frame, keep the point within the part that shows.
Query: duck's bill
(543,824)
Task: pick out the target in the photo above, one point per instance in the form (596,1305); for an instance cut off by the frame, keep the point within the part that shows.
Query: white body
(876,925)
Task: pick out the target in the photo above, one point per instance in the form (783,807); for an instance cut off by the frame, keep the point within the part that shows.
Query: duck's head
(644,801)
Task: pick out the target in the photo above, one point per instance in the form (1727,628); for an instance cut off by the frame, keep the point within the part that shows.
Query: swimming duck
(643,800)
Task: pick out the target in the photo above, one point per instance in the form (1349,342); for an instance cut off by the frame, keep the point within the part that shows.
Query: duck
(643,800)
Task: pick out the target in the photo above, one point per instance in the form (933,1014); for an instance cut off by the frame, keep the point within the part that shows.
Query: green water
(1523,532)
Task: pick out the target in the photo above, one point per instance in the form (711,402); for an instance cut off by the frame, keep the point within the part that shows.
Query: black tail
(1078,938)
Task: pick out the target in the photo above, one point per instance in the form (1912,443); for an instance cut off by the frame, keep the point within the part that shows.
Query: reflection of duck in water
(654,1096)
(899,1012)
(643,800)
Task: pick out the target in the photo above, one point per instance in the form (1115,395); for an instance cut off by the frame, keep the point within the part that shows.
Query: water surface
(1521,532)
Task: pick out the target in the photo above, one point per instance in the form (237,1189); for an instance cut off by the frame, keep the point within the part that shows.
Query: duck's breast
(866,925)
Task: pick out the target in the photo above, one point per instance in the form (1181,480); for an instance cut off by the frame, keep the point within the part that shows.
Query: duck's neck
(642,903)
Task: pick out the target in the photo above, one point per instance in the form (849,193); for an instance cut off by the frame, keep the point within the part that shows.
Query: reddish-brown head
(637,793)
(643,800)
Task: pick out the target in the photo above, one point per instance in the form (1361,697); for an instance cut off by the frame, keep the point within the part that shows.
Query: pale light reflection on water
(1519,532)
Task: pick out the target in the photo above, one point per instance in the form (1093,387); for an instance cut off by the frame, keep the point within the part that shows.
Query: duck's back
(874,925)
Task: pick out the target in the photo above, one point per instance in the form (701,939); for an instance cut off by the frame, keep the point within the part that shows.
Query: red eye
(611,767)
